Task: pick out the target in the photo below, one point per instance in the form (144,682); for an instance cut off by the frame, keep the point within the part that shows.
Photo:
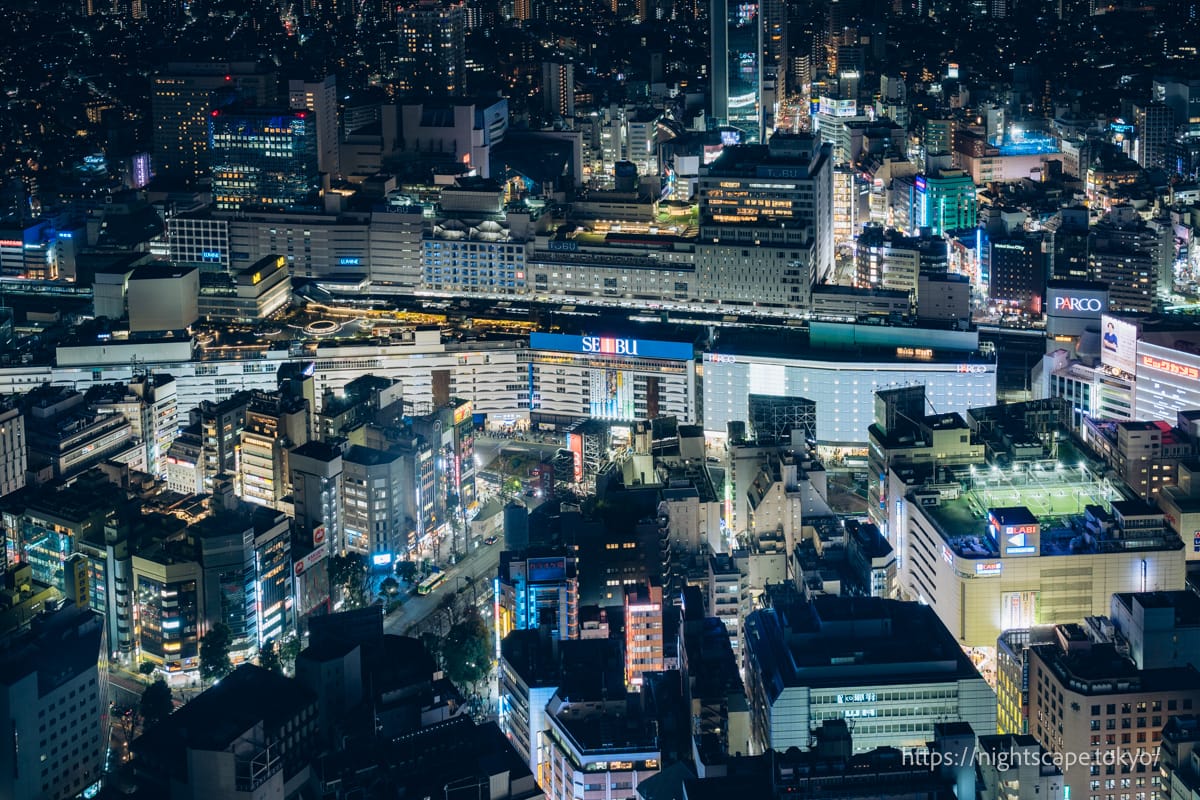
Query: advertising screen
(1118,345)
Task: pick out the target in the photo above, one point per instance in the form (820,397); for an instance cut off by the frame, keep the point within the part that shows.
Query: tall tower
(183,95)
(320,98)
(1155,124)
(262,158)
(433,59)
(558,89)
(737,75)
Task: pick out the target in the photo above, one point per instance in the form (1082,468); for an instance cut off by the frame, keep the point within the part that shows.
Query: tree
(289,652)
(407,571)
(390,585)
(465,653)
(214,653)
(349,574)
(157,704)
(146,668)
(268,657)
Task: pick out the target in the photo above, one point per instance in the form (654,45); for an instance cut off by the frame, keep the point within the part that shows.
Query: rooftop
(221,714)
(837,641)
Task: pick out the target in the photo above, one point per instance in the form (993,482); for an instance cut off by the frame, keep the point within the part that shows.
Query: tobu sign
(1068,303)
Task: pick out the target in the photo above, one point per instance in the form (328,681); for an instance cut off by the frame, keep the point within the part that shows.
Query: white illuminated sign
(1078,304)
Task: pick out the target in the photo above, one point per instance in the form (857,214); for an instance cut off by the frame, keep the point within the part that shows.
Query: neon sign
(612,346)
(1171,367)
(1078,304)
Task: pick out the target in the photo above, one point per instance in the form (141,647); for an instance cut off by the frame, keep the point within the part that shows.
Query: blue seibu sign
(612,346)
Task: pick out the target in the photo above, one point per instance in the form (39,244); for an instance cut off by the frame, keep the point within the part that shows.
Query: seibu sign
(613,347)
(1069,303)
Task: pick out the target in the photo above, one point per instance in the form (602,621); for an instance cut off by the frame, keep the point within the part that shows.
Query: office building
(66,436)
(53,696)
(1178,758)
(1012,676)
(532,668)
(316,481)
(644,633)
(943,202)
(600,741)
(890,668)
(1160,629)
(432,49)
(539,590)
(274,425)
(766,235)
(252,735)
(13,455)
(168,603)
(263,158)
(374,517)
(1086,697)
(1155,124)
(1145,454)
(182,97)
(712,686)
(320,98)
(149,404)
(736,49)
(887,259)
(221,426)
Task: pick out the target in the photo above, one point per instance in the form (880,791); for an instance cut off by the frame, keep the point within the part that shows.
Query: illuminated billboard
(1118,345)
(575,445)
(1015,530)
(612,346)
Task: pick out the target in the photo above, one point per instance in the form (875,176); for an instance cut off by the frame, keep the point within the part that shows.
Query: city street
(480,565)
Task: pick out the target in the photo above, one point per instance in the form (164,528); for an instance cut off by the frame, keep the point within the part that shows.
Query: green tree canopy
(214,652)
(407,571)
(157,703)
(268,657)
(465,652)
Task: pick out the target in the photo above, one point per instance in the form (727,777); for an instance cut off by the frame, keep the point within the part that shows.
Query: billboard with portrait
(1118,345)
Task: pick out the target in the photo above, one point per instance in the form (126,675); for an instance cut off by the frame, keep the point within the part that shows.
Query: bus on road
(431,582)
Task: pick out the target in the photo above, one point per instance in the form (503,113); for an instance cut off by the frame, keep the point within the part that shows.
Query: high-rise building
(317,494)
(1155,123)
(263,158)
(1091,699)
(181,98)
(540,590)
(13,456)
(52,700)
(273,426)
(433,48)
(766,223)
(644,633)
(558,89)
(320,99)
(737,72)
(168,603)
(375,521)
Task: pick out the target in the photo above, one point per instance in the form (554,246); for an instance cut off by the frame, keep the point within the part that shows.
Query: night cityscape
(622,400)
